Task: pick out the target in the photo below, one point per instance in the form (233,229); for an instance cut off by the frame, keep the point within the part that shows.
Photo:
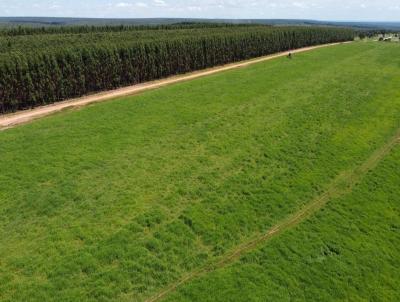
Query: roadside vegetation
(39,66)
(119,200)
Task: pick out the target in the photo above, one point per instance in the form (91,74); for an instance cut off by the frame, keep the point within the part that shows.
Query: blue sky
(373,10)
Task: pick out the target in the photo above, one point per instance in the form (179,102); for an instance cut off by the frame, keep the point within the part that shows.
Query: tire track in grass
(341,185)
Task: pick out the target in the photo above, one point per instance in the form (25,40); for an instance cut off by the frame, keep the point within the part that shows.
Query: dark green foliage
(369,33)
(46,65)
(25,30)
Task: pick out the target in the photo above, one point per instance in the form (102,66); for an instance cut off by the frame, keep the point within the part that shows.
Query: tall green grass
(117,200)
(347,252)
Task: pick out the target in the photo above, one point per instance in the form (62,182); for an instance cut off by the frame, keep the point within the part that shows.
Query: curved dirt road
(14,119)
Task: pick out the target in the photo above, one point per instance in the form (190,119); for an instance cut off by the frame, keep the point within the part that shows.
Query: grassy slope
(349,251)
(119,199)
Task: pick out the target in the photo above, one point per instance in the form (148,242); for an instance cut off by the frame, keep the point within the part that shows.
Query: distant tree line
(26,30)
(370,33)
(43,76)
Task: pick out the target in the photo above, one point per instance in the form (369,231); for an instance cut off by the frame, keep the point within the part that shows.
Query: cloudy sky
(382,10)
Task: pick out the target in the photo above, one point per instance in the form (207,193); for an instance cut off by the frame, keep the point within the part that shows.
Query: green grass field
(349,251)
(119,200)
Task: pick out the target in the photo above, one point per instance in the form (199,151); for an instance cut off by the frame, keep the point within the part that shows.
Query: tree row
(32,79)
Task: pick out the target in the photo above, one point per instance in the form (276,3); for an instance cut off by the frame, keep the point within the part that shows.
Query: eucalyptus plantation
(44,65)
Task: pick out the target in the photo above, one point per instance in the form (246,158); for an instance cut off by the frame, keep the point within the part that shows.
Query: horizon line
(206,18)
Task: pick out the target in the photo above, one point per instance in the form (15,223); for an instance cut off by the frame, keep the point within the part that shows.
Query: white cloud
(131,5)
(124,4)
(160,3)
(194,8)
(299,9)
(141,4)
(300,4)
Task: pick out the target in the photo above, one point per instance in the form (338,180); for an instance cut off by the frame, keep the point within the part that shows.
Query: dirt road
(14,119)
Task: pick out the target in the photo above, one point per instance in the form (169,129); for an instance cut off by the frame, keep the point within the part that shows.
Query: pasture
(347,252)
(119,200)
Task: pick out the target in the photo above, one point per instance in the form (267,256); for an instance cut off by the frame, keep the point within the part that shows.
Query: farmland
(347,252)
(120,200)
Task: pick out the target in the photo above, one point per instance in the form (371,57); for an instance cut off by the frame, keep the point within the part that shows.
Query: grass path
(11,120)
(342,185)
